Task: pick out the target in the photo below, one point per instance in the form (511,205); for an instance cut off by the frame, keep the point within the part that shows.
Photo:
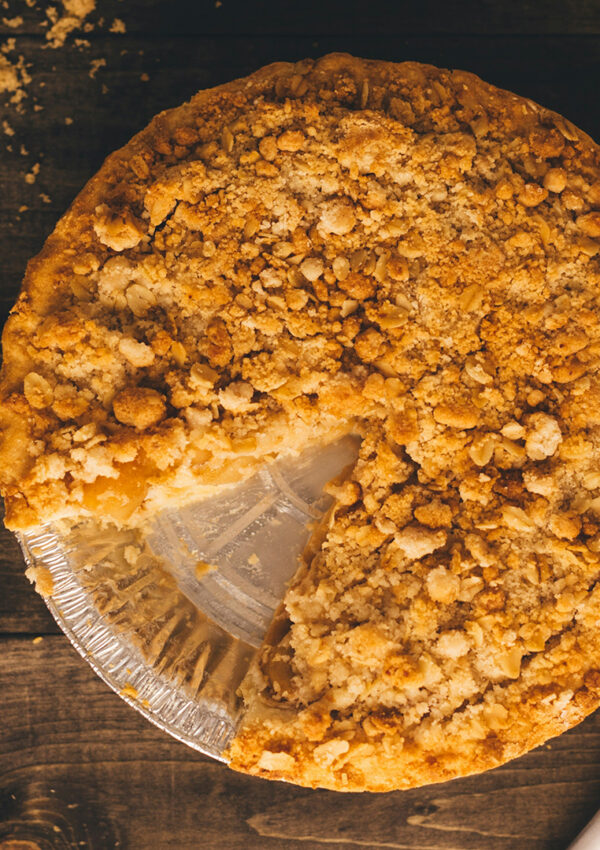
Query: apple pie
(342,246)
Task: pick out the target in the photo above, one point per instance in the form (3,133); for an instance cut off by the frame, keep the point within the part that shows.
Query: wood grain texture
(78,767)
(21,609)
(336,17)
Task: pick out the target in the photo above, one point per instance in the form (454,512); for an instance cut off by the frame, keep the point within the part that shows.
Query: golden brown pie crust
(346,245)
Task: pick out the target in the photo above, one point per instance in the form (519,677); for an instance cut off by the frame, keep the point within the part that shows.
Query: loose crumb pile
(95,66)
(61,23)
(13,23)
(70,18)
(16,75)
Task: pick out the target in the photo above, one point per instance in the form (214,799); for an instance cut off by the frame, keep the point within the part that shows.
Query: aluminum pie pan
(171,617)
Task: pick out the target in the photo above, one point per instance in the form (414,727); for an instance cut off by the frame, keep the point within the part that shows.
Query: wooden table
(78,767)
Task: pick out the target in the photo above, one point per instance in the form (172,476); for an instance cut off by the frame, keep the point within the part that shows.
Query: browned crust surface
(397,249)
(555,693)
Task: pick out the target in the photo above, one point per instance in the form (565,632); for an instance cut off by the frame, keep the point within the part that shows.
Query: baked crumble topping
(394,250)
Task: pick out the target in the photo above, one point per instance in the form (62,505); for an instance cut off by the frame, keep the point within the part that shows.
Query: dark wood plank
(21,609)
(80,768)
(340,17)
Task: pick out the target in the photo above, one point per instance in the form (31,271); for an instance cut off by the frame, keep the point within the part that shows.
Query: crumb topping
(394,250)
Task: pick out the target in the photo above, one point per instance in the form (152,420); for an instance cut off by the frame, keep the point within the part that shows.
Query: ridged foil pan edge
(171,616)
(113,657)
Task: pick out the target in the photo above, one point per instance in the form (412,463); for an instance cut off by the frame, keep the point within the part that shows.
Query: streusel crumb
(338,246)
